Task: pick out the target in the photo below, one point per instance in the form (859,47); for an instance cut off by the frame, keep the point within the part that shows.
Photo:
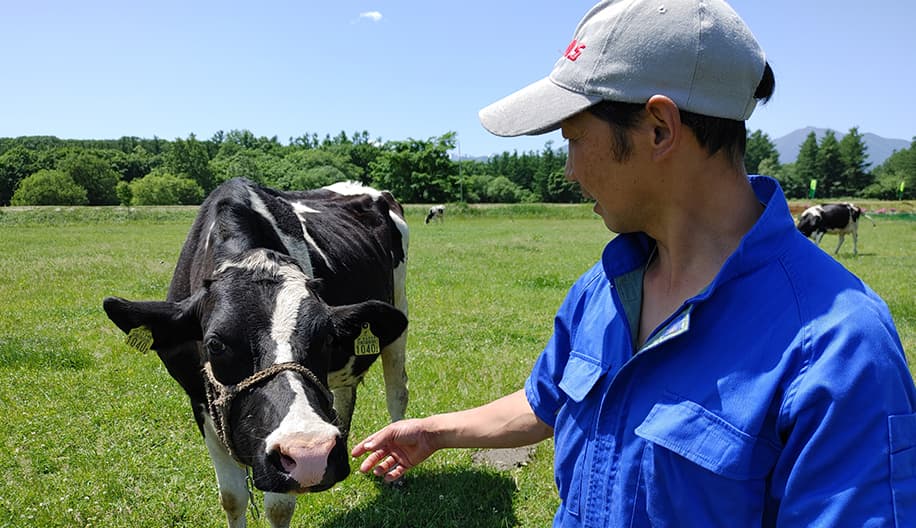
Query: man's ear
(385,321)
(170,323)
(665,119)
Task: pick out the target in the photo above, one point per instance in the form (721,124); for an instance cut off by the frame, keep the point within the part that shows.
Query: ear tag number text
(140,338)
(366,343)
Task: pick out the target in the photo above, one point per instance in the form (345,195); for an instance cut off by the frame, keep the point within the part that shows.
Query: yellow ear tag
(366,344)
(140,338)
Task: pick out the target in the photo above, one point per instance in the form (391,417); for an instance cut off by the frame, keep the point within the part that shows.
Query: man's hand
(395,449)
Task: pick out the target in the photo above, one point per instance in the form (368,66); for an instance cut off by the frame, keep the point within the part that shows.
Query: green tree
(123,192)
(256,165)
(806,163)
(49,187)
(126,144)
(16,164)
(854,154)
(759,148)
(899,167)
(94,174)
(502,190)
(830,167)
(561,190)
(156,145)
(190,159)
(362,153)
(521,169)
(159,188)
(417,171)
(132,165)
(792,185)
(770,166)
(318,162)
(550,183)
(316,177)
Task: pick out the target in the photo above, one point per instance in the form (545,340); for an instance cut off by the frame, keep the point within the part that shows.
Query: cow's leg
(344,403)
(840,243)
(394,356)
(818,236)
(231,478)
(855,240)
(279,508)
(395,372)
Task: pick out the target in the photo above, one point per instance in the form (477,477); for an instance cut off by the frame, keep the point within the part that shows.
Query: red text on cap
(574,50)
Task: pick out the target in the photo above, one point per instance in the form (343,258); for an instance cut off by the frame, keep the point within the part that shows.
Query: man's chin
(600,212)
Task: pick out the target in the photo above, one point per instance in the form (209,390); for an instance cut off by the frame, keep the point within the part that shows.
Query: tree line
(834,168)
(45,170)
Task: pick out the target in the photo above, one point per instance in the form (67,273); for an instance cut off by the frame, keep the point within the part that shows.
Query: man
(714,368)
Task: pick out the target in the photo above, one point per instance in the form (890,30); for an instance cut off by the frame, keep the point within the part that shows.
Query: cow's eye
(215,347)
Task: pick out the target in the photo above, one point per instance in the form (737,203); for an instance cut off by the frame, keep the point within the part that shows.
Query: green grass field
(97,434)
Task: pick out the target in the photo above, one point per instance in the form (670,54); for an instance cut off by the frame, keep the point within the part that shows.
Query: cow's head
(259,310)
(855,212)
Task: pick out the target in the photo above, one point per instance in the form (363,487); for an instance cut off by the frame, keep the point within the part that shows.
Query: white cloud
(374,16)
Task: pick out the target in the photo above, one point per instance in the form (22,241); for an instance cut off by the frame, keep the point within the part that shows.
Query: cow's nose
(304,459)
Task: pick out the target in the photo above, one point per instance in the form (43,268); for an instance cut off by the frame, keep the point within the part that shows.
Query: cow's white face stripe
(286,315)
(301,420)
(259,261)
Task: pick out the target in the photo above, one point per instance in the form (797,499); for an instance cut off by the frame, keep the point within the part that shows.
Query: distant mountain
(879,148)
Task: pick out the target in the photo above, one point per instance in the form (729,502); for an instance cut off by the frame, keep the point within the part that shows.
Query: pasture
(97,434)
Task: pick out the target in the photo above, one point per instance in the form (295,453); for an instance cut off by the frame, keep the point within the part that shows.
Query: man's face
(613,184)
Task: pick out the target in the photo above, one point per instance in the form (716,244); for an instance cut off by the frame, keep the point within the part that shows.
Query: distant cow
(836,218)
(279,303)
(435,212)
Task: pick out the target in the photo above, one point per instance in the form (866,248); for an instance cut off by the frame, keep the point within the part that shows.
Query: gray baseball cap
(699,53)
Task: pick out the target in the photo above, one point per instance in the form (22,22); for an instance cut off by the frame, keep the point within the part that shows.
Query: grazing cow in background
(279,303)
(435,212)
(838,218)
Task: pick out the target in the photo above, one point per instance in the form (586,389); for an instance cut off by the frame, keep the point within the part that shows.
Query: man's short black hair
(713,133)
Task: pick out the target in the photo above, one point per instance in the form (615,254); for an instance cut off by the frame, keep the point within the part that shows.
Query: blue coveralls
(777,396)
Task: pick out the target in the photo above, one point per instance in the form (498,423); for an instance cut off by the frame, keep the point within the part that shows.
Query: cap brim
(535,109)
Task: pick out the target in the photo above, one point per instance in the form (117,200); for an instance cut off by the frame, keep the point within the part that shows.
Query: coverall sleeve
(850,433)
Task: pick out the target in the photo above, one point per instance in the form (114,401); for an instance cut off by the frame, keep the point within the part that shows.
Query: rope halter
(220,396)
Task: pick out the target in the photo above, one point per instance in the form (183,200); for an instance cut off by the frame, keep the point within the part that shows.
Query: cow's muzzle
(220,396)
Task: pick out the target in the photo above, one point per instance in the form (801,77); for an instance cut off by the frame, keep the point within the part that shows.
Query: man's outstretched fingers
(372,460)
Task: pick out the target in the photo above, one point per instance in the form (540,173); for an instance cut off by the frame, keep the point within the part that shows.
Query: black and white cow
(435,212)
(279,303)
(838,218)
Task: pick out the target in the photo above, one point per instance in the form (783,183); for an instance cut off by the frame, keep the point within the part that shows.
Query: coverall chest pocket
(699,470)
(574,426)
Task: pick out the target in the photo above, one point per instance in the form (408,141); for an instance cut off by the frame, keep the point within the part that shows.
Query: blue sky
(103,69)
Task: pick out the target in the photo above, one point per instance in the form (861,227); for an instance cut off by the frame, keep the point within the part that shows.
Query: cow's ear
(170,323)
(385,321)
